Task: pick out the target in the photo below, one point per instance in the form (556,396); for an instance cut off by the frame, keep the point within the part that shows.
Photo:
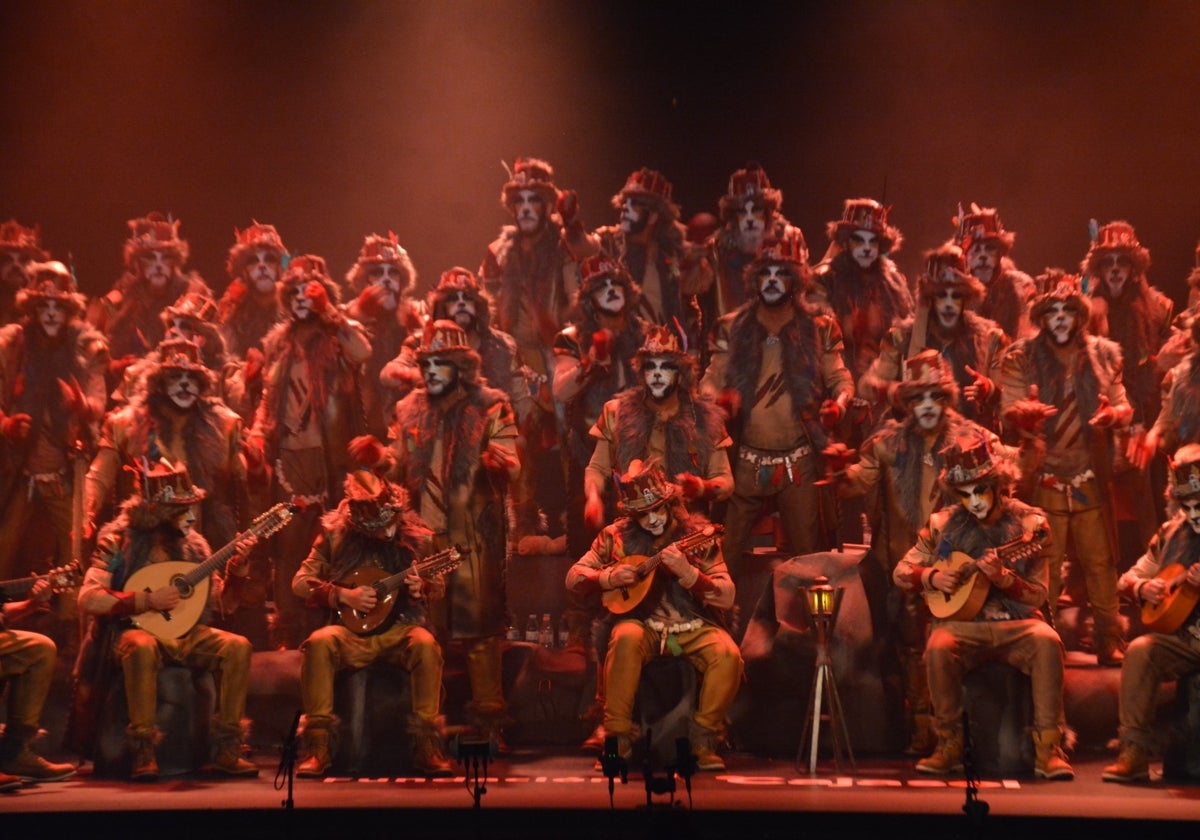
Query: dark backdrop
(335,119)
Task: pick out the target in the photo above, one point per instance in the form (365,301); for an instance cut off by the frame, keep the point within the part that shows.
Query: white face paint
(983,257)
(774,281)
(949,307)
(864,247)
(610,297)
(440,375)
(461,308)
(635,215)
(181,328)
(157,267)
(751,225)
(1191,509)
(928,408)
(185,521)
(654,522)
(183,387)
(978,499)
(528,210)
(660,374)
(1116,270)
(302,306)
(262,271)
(1060,323)
(12,269)
(387,277)
(51,315)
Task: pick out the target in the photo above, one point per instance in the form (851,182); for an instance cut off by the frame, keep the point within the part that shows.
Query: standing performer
(986,244)
(250,306)
(1010,625)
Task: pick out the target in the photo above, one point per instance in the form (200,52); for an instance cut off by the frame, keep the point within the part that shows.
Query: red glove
(254,364)
(236,292)
(315,292)
(593,512)
(73,399)
(370,302)
(838,456)
(692,486)
(831,414)
(1105,415)
(117,367)
(1030,414)
(367,451)
(730,401)
(15,427)
(568,207)
(496,459)
(254,453)
(601,346)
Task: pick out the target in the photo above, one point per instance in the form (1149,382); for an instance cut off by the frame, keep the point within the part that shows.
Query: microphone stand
(287,762)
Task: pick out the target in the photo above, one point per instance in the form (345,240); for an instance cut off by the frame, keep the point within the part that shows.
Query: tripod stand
(824,704)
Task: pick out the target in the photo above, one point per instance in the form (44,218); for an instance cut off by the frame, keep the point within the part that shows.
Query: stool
(186,702)
(664,705)
(999,703)
(273,697)
(1181,758)
(373,705)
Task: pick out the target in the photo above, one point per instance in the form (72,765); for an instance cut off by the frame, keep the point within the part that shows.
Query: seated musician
(680,611)
(372,528)
(1010,625)
(1171,652)
(157,525)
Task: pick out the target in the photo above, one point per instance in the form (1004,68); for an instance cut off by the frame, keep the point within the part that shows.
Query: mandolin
(1169,614)
(61,579)
(623,599)
(965,602)
(384,613)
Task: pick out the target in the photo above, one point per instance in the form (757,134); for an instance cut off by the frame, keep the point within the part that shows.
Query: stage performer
(250,307)
(1158,657)
(1179,421)
(777,367)
(1062,392)
(981,519)
(903,459)
(52,396)
(681,611)
(373,529)
(455,452)
(987,246)
(154,526)
(19,246)
(311,408)
(154,277)
(944,321)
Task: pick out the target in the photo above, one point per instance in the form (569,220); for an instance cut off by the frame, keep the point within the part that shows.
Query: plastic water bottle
(545,636)
(531,629)
(564,631)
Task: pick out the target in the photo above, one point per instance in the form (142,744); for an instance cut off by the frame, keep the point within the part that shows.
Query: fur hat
(49,281)
(453,281)
(969,459)
(163,491)
(247,242)
(651,186)
(300,272)
(594,270)
(644,488)
(373,504)
(1115,237)
(195,306)
(530,174)
(663,342)
(14,236)
(925,371)
(946,268)
(447,339)
(865,214)
(154,232)
(981,224)
(791,251)
(749,184)
(1059,287)
(1183,476)
(377,249)
(177,354)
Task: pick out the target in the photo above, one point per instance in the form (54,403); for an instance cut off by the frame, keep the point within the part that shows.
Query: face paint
(1116,270)
(983,258)
(949,307)
(12,269)
(181,328)
(157,267)
(864,248)
(461,309)
(441,375)
(387,277)
(528,210)
(928,408)
(1191,509)
(774,282)
(751,225)
(183,387)
(660,375)
(978,499)
(654,522)
(184,522)
(262,271)
(1060,322)
(609,298)
(635,216)
(51,315)
(302,308)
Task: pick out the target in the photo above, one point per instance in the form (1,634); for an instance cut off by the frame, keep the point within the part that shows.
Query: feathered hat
(154,232)
(1118,238)
(247,242)
(925,371)
(377,249)
(981,224)
(749,184)
(946,268)
(49,281)
(651,186)
(866,214)
(530,174)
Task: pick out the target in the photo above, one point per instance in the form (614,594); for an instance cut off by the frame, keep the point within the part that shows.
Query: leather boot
(595,741)
(923,739)
(8,783)
(144,761)
(1132,765)
(318,751)
(17,759)
(704,747)
(428,755)
(1051,762)
(946,757)
(230,762)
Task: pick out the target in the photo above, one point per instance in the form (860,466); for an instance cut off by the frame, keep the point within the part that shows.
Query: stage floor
(556,794)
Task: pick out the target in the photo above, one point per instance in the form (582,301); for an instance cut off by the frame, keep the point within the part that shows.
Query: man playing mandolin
(1166,581)
(987,525)
(672,561)
(371,529)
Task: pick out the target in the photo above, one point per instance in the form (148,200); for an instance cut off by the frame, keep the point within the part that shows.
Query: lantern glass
(820,597)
